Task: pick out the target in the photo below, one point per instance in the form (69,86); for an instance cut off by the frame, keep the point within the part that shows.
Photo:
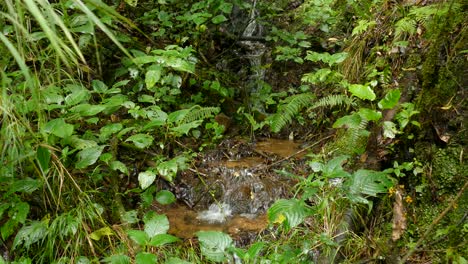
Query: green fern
(333,100)
(199,113)
(405,27)
(291,107)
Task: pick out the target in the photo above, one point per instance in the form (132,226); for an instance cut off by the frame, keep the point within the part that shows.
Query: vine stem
(434,223)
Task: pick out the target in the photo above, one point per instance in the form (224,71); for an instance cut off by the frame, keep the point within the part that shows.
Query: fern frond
(405,27)
(199,113)
(291,107)
(333,100)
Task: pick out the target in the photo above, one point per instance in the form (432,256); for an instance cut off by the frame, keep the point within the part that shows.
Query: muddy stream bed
(231,188)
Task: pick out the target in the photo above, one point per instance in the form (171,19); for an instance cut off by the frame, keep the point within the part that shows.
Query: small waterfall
(254,53)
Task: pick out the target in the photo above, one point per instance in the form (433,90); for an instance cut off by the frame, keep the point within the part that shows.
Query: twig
(434,223)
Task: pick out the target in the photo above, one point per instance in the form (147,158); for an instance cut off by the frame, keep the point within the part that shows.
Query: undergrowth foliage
(104,103)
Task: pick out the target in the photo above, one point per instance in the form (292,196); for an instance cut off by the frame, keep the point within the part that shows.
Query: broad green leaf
(162,239)
(390,100)
(368,183)
(140,237)
(130,217)
(88,109)
(59,128)
(89,156)
(117,259)
(106,157)
(156,225)
(288,212)
(109,129)
(389,129)
(177,116)
(168,169)
(214,245)
(145,59)
(225,7)
(146,178)
(180,64)
(145,98)
(79,143)
(254,250)
(99,86)
(218,19)
(43,157)
(141,140)
(77,96)
(145,258)
(184,129)
(27,185)
(132,3)
(165,197)
(349,121)
(152,77)
(369,114)
(363,92)
(105,231)
(118,165)
(177,261)
(30,234)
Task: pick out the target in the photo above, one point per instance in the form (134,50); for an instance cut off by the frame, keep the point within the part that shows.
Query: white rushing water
(216,213)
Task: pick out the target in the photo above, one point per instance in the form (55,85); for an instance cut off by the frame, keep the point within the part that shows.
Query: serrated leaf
(141,141)
(146,178)
(59,128)
(140,237)
(214,244)
(156,225)
(162,239)
(89,156)
(363,92)
(390,100)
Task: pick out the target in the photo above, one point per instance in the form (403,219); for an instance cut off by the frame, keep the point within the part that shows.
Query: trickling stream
(254,51)
(233,186)
(231,189)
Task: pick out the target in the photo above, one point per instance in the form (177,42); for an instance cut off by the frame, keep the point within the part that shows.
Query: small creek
(231,188)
